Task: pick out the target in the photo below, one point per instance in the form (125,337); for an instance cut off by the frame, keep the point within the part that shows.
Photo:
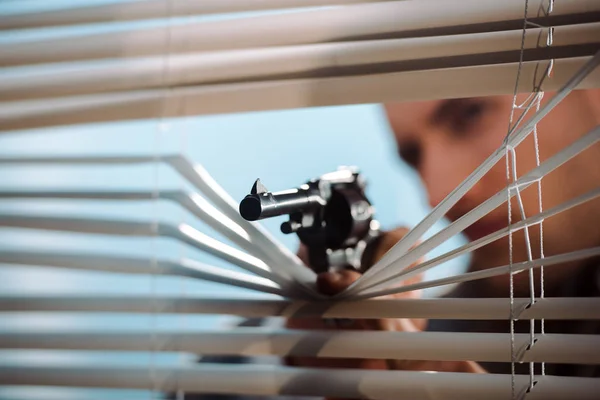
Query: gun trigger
(258,188)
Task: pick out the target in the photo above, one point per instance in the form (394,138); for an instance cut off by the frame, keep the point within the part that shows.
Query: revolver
(331,215)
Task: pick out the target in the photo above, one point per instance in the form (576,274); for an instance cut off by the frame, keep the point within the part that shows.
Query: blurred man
(444,141)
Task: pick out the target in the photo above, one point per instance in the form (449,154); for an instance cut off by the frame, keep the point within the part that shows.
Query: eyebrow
(440,115)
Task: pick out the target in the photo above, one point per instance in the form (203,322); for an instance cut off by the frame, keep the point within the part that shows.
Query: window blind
(317,53)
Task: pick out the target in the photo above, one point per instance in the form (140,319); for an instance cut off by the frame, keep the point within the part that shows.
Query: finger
(331,283)
(303,254)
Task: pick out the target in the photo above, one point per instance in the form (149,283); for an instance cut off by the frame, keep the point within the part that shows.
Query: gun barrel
(265,205)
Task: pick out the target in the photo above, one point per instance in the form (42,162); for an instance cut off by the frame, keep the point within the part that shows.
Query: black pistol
(331,216)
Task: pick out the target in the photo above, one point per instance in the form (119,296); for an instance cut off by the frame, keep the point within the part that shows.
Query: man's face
(446,140)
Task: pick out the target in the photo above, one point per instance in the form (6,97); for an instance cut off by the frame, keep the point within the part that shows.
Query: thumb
(331,283)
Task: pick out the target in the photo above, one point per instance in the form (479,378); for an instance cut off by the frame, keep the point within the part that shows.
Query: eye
(410,153)
(468,115)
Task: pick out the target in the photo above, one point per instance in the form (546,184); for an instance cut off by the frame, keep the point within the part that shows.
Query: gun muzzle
(257,206)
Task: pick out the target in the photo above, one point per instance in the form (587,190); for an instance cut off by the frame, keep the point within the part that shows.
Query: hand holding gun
(340,240)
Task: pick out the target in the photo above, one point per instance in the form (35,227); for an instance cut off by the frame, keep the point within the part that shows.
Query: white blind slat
(550,261)
(276,95)
(128,265)
(182,232)
(367,21)
(563,308)
(305,61)
(270,248)
(436,346)
(147,9)
(472,246)
(192,202)
(273,380)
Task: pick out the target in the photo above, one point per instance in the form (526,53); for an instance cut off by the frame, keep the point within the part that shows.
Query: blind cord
(549,42)
(537,100)
(511,283)
(508,200)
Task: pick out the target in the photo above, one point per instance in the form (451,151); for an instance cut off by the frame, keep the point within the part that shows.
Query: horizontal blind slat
(272,380)
(435,346)
(360,22)
(181,232)
(276,95)
(147,9)
(128,265)
(304,61)
(471,309)
(269,248)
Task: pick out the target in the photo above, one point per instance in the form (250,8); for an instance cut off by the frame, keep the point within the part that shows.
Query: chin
(496,255)
(501,284)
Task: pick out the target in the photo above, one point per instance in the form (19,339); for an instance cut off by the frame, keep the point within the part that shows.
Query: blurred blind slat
(261,380)
(385,20)
(128,10)
(285,94)
(435,346)
(477,309)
